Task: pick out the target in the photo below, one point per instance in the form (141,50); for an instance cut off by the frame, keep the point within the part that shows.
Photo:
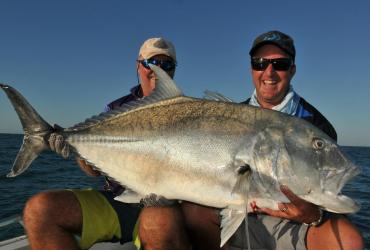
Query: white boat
(21,242)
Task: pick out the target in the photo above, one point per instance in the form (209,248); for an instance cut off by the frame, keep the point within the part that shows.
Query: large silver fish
(212,152)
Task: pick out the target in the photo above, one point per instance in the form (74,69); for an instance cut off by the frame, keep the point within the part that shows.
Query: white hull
(21,243)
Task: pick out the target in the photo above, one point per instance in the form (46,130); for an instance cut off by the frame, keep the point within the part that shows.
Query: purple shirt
(136,93)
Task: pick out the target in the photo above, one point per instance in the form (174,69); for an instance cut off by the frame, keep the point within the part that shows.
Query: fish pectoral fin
(243,175)
(231,219)
(129,196)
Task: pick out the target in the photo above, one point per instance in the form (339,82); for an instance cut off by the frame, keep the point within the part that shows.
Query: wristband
(318,221)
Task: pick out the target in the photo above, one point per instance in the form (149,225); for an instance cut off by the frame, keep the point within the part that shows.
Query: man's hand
(298,210)
(87,168)
(153,200)
(59,145)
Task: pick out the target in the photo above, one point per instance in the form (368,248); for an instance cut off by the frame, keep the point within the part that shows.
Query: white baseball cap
(157,46)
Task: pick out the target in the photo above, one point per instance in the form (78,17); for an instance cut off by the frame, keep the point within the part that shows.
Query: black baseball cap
(283,41)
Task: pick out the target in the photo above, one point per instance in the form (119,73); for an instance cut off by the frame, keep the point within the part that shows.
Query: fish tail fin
(35,128)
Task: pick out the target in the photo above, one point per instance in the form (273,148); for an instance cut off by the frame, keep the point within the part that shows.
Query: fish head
(306,160)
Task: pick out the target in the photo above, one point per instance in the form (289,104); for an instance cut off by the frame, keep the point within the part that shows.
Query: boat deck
(21,243)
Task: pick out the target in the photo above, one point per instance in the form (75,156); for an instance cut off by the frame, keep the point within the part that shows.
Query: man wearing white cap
(53,218)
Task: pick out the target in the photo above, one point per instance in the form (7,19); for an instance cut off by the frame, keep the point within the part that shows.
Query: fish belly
(185,168)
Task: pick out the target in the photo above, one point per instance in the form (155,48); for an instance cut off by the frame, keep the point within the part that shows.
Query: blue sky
(69,58)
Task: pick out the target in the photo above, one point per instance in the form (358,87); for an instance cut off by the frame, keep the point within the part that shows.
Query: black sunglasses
(166,65)
(279,64)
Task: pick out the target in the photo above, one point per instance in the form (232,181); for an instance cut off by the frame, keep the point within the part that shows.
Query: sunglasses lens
(259,64)
(145,63)
(279,64)
(165,65)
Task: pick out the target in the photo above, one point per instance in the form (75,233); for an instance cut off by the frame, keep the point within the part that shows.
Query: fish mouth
(333,180)
(336,203)
(333,200)
(352,171)
(341,204)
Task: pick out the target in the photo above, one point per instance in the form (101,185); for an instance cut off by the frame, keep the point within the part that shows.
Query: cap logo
(161,44)
(272,37)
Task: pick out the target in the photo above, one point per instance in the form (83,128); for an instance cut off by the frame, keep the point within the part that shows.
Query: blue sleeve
(107,108)
(302,112)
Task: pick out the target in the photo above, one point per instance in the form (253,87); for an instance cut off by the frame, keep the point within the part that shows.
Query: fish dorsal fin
(165,88)
(215,96)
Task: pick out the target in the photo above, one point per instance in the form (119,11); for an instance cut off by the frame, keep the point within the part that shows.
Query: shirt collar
(137,92)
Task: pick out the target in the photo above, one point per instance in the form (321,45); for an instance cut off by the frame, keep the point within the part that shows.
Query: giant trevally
(212,152)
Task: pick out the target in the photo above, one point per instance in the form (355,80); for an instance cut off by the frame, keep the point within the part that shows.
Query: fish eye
(318,143)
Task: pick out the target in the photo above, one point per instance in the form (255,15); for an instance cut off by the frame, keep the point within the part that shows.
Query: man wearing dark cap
(273,89)
(54,218)
(298,224)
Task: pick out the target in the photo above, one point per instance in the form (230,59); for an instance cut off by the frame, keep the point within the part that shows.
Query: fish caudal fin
(35,130)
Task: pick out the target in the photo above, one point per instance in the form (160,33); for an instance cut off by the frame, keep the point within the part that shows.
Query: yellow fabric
(100,221)
(135,236)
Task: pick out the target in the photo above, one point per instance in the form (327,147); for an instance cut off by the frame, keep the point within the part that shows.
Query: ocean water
(49,171)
